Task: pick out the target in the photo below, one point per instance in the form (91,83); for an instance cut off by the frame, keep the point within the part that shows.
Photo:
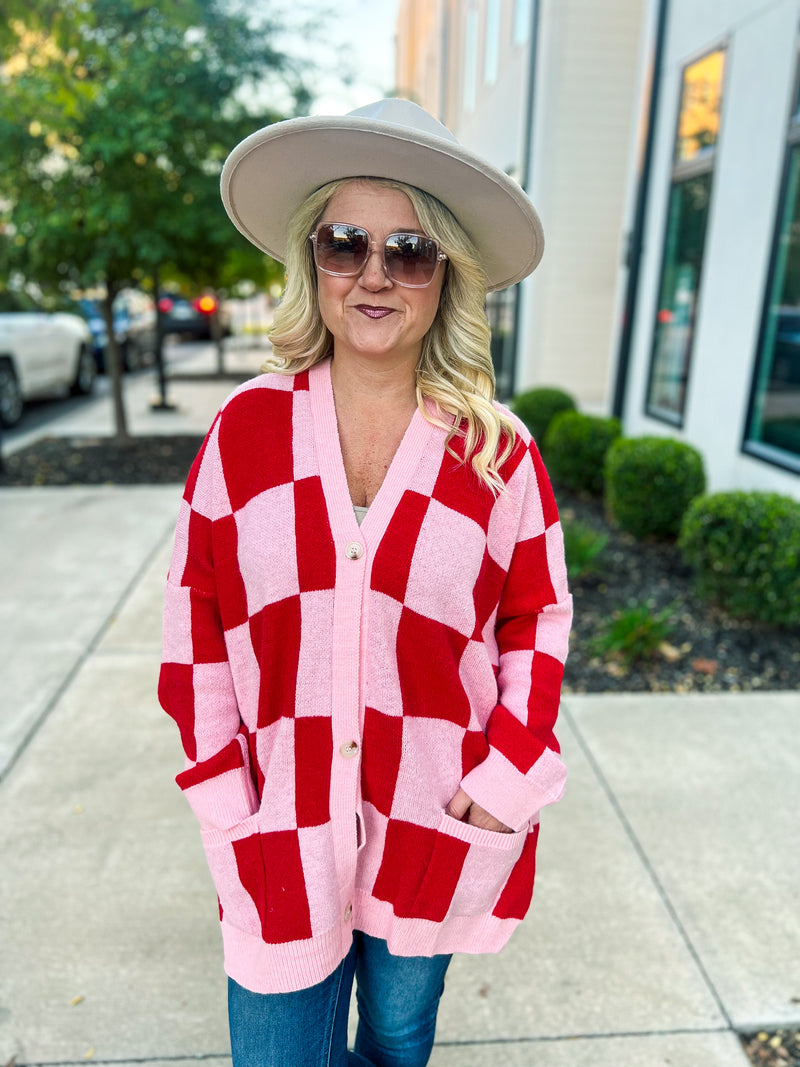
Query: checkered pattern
(332,700)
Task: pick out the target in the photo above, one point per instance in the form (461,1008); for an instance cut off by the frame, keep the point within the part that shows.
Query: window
(492,56)
(773,424)
(522,20)
(501,311)
(687,219)
(470,60)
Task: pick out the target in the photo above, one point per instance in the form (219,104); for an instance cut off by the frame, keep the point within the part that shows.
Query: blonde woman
(366,614)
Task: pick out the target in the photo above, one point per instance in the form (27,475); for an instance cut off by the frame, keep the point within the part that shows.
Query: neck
(390,384)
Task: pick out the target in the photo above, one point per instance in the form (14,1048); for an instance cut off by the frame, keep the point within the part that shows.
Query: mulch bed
(154,460)
(706,650)
(773,1048)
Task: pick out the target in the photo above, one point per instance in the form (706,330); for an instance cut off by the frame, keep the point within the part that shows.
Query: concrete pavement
(665,915)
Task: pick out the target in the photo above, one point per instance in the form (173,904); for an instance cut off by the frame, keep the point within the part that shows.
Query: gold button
(348,911)
(354,550)
(349,748)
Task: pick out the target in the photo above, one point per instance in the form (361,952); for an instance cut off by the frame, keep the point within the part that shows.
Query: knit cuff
(510,796)
(220,790)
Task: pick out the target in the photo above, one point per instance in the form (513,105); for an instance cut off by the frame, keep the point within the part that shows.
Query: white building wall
(759,78)
(588,57)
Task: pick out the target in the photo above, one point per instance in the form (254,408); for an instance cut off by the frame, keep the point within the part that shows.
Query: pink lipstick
(374,312)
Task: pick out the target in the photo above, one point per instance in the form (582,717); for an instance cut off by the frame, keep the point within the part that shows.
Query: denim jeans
(397,996)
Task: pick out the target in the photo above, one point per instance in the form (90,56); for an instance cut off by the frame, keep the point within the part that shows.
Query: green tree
(118,115)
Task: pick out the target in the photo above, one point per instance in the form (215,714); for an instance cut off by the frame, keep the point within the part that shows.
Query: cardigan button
(348,911)
(349,748)
(354,550)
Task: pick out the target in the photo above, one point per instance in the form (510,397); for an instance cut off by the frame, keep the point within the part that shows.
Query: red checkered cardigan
(334,685)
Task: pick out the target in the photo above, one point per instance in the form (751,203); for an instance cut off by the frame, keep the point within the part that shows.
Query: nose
(373,274)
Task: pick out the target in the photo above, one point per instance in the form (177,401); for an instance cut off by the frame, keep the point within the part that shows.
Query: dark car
(134,328)
(191,318)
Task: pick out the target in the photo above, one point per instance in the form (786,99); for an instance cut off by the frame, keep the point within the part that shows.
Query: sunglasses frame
(374,246)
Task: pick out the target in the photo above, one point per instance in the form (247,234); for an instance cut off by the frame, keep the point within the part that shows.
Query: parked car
(134,328)
(41,354)
(191,318)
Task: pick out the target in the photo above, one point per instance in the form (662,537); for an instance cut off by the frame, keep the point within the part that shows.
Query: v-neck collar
(344,525)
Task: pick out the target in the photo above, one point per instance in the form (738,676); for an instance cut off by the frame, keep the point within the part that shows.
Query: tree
(135,107)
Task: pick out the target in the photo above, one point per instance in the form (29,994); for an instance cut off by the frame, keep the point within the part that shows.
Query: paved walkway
(666,911)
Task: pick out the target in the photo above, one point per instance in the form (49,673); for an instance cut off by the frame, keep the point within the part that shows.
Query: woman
(366,614)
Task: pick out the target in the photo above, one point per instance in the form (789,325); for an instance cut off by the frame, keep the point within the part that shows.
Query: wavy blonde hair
(455,369)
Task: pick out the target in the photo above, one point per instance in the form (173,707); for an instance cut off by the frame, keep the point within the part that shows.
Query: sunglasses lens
(411,259)
(341,249)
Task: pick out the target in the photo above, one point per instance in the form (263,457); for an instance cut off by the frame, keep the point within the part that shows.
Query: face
(368,314)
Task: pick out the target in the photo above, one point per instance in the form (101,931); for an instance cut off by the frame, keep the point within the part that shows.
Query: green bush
(634,633)
(575,447)
(583,547)
(745,550)
(537,407)
(650,482)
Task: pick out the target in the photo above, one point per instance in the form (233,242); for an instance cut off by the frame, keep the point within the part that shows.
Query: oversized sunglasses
(410,259)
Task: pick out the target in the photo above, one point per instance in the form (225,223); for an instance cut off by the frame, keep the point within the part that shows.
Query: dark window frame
(771,454)
(682,171)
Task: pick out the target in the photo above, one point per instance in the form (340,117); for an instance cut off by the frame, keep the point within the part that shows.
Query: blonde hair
(455,369)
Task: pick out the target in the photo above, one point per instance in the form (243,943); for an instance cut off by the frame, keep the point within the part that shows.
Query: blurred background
(658,140)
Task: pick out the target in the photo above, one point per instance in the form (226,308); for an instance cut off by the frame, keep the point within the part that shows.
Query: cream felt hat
(271,172)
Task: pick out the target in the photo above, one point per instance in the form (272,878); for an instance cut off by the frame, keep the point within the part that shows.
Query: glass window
(492,57)
(774,424)
(523,10)
(698,125)
(501,313)
(686,231)
(470,60)
(687,219)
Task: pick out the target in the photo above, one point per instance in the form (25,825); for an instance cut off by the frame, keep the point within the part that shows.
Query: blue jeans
(397,996)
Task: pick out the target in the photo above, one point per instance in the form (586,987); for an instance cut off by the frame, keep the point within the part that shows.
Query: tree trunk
(113,361)
(162,404)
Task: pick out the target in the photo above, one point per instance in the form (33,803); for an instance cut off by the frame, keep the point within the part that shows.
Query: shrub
(537,407)
(650,482)
(745,550)
(582,547)
(635,633)
(575,447)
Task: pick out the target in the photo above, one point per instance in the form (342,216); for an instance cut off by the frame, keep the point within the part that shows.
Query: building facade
(546,90)
(708,339)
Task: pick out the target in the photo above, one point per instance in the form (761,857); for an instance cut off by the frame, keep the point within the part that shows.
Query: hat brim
(268,176)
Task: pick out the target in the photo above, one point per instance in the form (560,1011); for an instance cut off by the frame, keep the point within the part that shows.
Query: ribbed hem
(473,934)
(264,968)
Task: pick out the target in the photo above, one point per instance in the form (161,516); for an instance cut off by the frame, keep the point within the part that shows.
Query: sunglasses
(409,259)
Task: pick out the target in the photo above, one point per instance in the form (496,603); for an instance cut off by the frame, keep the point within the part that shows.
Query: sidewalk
(665,914)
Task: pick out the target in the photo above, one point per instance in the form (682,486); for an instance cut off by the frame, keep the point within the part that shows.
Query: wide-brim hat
(269,174)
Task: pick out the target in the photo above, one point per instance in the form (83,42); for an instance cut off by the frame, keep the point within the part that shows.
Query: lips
(374,312)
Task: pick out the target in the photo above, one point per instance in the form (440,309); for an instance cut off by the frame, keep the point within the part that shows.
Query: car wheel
(11,402)
(85,373)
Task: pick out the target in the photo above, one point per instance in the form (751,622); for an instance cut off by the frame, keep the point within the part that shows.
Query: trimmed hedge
(575,447)
(537,407)
(745,551)
(650,482)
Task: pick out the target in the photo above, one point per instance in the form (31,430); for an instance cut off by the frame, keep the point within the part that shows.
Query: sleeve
(523,770)
(195,683)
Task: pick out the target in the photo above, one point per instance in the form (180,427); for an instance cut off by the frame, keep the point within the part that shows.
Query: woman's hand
(463,808)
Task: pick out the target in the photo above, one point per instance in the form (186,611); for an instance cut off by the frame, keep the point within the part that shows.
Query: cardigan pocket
(468,869)
(235,861)
(260,881)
